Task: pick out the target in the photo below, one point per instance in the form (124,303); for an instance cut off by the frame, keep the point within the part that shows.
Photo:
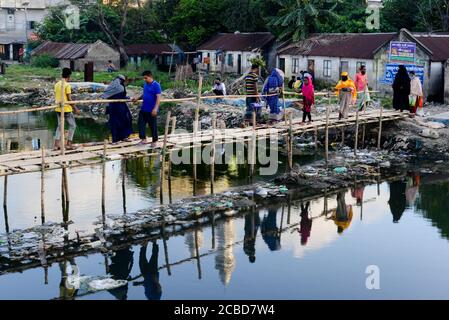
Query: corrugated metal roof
(65,51)
(238,41)
(348,45)
(438,44)
(148,48)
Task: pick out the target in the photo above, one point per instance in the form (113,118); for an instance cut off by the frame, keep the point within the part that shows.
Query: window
(230,60)
(327,68)
(32,25)
(344,66)
(295,65)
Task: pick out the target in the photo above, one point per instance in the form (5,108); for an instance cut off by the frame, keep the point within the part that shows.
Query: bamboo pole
(124,162)
(62,118)
(43,186)
(164,241)
(170,155)
(197,253)
(253,146)
(162,156)
(66,187)
(212,168)
(196,126)
(356,142)
(5,192)
(379,138)
(316,139)
(103,179)
(326,137)
(290,142)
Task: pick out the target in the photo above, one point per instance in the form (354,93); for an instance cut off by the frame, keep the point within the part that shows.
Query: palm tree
(297,18)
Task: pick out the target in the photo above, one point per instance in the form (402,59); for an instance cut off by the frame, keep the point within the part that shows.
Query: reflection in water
(150,273)
(270,231)
(224,259)
(252,223)
(397,200)
(120,269)
(342,215)
(194,239)
(411,193)
(68,269)
(305,224)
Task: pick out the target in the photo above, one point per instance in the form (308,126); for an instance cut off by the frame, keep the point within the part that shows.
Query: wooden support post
(379,138)
(212,163)
(43,186)
(5,192)
(253,147)
(124,163)
(316,139)
(196,127)
(326,137)
(162,157)
(173,131)
(164,241)
(212,222)
(356,142)
(62,118)
(66,185)
(290,142)
(197,253)
(103,180)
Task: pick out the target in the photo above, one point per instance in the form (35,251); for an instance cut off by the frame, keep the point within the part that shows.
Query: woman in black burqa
(401,90)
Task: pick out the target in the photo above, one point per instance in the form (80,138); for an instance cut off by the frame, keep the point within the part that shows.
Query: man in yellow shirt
(68,110)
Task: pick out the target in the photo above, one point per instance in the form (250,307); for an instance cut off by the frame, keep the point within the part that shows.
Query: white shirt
(220,87)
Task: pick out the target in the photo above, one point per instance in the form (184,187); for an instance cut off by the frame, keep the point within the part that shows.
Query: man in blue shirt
(150,107)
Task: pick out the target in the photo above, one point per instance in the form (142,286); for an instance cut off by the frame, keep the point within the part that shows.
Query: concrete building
(327,55)
(160,53)
(231,52)
(18,20)
(76,55)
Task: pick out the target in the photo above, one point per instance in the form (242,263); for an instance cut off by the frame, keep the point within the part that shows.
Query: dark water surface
(294,251)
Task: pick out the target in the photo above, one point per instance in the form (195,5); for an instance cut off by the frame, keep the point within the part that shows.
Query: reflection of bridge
(95,153)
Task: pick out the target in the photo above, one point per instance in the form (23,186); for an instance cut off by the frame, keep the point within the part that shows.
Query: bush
(45,61)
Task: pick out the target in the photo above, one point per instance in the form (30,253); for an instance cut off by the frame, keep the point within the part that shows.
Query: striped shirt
(251,80)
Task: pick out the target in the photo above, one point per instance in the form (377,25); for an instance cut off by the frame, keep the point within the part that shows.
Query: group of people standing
(407,91)
(120,118)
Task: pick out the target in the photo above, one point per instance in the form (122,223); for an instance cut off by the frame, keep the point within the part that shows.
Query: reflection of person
(120,119)
(412,188)
(120,269)
(357,193)
(397,200)
(305,224)
(252,223)
(67,291)
(270,231)
(150,273)
(401,90)
(343,214)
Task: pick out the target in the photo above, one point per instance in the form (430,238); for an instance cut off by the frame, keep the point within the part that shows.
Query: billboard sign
(402,52)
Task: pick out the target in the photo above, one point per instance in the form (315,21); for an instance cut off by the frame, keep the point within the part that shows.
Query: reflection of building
(22,133)
(190,241)
(224,260)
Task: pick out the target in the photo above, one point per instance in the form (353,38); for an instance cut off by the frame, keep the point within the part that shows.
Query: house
(231,52)
(327,55)
(18,20)
(161,53)
(76,55)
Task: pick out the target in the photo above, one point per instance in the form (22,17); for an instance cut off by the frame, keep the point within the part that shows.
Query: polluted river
(264,242)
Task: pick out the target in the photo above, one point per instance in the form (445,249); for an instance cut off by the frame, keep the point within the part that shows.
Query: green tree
(298,18)
(193,21)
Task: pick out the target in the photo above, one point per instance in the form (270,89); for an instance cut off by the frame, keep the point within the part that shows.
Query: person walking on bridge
(68,110)
(150,107)
(347,94)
